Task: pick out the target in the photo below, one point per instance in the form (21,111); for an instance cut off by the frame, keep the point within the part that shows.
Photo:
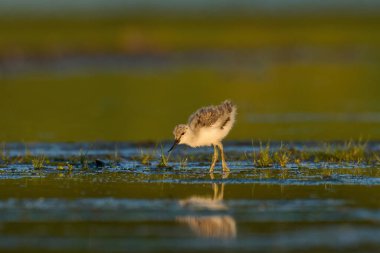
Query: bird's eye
(182,134)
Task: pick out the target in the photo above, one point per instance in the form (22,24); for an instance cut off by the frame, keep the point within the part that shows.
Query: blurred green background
(131,70)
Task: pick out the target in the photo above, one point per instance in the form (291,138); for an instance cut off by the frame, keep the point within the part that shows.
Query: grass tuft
(282,156)
(354,151)
(163,159)
(145,158)
(38,162)
(70,167)
(183,162)
(263,158)
(4,154)
(83,160)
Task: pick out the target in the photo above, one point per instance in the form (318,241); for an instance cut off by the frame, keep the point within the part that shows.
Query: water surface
(123,205)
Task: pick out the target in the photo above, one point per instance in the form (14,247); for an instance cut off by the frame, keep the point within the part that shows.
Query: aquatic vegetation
(263,158)
(83,160)
(274,163)
(265,155)
(70,167)
(163,159)
(38,162)
(27,157)
(183,162)
(353,151)
(348,152)
(115,157)
(376,158)
(282,156)
(67,166)
(302,155)
(145,157)
(4,154)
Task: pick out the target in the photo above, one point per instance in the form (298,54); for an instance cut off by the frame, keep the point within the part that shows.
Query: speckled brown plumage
(216,116)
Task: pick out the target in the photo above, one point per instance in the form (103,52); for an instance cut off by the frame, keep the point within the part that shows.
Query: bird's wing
(211,116)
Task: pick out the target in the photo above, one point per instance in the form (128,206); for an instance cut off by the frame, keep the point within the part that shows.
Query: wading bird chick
(207,126)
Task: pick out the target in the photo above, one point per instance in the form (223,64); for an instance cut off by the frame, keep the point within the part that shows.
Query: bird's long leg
(224,164)
(214,159)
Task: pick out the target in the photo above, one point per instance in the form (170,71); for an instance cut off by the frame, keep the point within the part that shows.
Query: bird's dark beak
(174,144)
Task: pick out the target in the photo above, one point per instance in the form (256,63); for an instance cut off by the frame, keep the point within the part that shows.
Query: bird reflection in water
(209,226)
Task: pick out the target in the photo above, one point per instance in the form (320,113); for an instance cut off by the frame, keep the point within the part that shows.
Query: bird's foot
(211,169)
(225,168)
(225,174)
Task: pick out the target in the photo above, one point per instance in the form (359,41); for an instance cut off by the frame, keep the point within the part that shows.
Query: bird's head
(180,133)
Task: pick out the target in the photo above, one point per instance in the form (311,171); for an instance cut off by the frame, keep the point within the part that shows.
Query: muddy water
(127,206)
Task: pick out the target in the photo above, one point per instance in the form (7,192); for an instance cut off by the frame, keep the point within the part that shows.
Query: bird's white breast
(210,135)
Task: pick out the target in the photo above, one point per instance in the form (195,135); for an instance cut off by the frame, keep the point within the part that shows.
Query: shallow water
(124,205)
